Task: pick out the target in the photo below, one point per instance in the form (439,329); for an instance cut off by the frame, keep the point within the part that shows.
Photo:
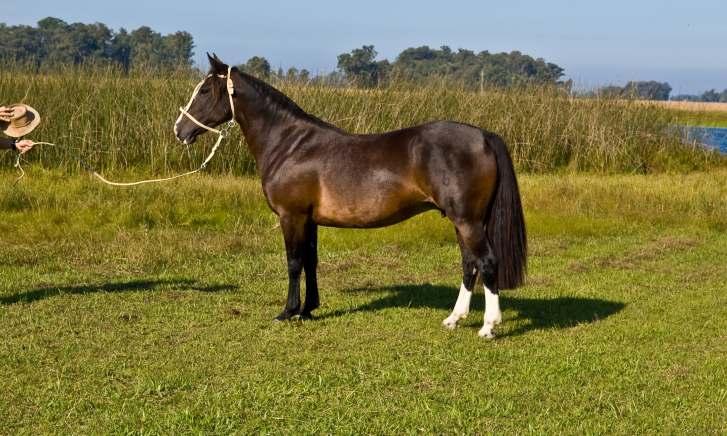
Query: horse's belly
(369,205)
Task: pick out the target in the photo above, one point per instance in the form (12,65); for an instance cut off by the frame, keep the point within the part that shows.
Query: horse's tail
(505,222)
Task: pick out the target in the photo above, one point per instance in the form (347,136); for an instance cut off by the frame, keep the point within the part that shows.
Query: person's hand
(5,113)
(24,145)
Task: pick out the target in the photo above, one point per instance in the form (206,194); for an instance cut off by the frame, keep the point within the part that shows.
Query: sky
(597,42)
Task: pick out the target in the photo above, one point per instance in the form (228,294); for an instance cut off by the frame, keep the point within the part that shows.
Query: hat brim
(17,132)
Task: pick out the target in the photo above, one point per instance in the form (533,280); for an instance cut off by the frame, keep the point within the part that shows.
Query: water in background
(715,137)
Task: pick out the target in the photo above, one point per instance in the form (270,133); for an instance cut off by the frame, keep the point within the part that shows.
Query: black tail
(505,223)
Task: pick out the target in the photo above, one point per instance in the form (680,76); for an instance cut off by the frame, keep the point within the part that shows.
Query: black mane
(282,101)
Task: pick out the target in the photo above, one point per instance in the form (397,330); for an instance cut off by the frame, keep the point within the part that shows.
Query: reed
(122,122)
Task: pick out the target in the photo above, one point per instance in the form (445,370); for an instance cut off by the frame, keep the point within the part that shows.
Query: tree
(176,49)
(304,75)
(257,66)
(292,74)
(651,90)
(120,49)
(360,66)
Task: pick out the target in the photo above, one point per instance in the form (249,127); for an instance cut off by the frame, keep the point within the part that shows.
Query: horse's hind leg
(474,238)
(488,272)
(469,278)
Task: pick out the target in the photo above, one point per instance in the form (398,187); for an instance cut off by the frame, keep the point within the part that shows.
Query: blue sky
(597,42)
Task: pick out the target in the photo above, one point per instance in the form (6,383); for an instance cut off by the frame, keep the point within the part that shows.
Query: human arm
(22,146)
(7,143)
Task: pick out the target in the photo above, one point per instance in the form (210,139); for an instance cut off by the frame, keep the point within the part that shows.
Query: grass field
(149,311)
(707,119)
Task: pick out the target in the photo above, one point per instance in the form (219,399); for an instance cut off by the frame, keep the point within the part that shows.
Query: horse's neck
(252,125)
(262,124)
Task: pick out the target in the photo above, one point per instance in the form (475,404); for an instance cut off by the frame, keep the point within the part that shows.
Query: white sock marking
(493,316)
(461,308)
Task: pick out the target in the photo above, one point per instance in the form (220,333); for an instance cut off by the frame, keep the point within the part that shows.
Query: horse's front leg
(310,262)
(294,233)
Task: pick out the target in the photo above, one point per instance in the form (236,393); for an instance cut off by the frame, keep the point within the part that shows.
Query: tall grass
(123,122)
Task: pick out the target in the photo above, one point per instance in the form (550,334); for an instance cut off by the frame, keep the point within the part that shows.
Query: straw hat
(23,121)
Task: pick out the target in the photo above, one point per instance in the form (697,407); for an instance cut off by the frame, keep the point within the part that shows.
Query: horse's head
(210,104)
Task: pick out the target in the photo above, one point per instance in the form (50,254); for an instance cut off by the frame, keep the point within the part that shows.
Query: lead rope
(221,133)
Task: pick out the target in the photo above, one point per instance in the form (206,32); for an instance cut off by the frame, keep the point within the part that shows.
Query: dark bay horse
(314,173)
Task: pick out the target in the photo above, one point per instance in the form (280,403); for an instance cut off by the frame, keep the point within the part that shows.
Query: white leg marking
(461,308)
(493,316)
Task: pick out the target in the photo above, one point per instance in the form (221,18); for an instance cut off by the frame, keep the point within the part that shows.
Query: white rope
(19,167)
(221,133)
(140,182)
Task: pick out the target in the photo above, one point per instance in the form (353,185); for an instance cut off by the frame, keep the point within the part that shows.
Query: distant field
(692,113)
(692,106)
(148,311)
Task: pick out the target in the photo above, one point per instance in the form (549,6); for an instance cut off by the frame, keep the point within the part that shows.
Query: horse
(316,174)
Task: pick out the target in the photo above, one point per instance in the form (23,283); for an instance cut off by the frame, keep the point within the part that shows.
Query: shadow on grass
(128,286)
(540,313)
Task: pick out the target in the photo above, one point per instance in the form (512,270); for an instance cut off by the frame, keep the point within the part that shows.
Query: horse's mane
(281,101)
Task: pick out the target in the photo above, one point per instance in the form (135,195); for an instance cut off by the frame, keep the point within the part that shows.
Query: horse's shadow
(29,296)
(540,313)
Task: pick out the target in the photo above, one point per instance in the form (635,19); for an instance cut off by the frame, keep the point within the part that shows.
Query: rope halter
(223,131)
(230,92)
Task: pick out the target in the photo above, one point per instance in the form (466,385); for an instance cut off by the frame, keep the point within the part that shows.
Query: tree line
(652,90)
(643,90)
(710,96)
(359,67)
(54,42)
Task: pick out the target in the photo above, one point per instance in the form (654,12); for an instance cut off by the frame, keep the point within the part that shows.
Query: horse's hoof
(450,323)
(284,316)
(486,333)
(306,316)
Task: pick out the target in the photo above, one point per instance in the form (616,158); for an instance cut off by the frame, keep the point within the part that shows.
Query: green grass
(149,311)
(706,118)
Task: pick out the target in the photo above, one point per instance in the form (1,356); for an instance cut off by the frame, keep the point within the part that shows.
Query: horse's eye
(204,90)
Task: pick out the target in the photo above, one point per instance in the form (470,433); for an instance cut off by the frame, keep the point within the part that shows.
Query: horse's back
(380,179)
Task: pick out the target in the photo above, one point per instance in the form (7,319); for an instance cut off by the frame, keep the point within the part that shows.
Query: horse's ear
(216,65)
